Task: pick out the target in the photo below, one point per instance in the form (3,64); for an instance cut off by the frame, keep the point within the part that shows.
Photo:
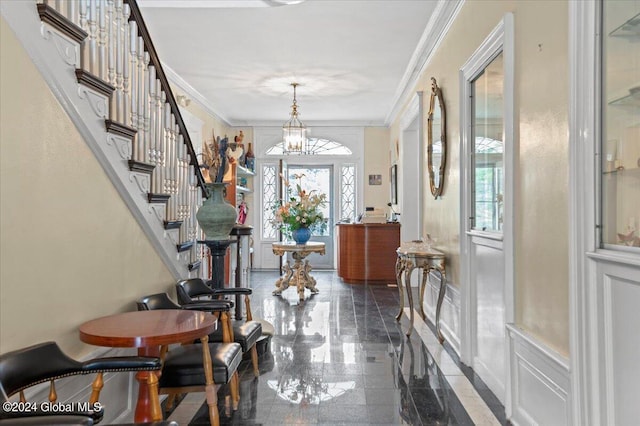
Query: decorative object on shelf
(436,140)
(629,239)
(243,210)
(235,152)
(216,216)
(294,132)
(250,159)
(301,210)
(239,142)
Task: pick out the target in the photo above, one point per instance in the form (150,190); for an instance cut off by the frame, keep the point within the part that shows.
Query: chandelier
(294,132)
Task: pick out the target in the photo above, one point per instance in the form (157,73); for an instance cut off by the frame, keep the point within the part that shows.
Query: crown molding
(443,16)
(193,94)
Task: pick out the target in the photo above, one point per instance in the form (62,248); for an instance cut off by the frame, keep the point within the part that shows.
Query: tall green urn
(216,216)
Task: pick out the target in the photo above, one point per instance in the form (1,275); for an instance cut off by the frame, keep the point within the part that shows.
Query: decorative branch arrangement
(214,156)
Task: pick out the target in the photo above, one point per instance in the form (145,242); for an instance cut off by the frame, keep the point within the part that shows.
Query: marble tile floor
(340,357)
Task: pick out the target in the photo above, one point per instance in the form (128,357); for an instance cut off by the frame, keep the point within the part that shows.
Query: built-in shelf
(243,189)
(631,171)
(630,100)
(630,30)
(243,171)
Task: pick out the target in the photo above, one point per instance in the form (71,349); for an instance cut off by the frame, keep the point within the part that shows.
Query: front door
(319,179)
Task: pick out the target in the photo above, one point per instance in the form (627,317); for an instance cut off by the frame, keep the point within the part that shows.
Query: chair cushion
(246,333)
(183,365)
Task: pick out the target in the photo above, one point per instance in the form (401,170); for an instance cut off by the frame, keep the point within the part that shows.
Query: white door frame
(595,273)
(501,39)
(412,174)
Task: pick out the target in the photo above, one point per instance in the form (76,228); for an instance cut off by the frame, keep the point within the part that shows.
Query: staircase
(99,61)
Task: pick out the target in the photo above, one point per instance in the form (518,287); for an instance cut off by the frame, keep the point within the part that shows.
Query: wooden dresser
(367,252)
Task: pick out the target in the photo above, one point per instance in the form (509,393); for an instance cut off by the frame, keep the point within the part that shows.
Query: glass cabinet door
(620,125)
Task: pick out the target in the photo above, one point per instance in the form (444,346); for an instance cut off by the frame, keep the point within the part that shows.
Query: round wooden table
(147,331)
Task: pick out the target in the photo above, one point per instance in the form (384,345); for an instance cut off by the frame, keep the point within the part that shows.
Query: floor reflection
(339,357)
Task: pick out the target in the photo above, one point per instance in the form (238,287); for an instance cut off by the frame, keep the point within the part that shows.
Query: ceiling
(352,58)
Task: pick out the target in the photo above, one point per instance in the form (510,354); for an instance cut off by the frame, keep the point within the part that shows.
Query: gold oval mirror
(436,139)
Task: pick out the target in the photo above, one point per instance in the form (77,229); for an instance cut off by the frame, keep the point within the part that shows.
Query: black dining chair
(192,291)
(45,362)
(186,368)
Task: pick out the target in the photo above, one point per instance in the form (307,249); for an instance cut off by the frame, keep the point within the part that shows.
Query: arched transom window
(315,146)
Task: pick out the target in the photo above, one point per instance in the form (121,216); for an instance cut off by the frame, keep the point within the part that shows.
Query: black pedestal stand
(218,249)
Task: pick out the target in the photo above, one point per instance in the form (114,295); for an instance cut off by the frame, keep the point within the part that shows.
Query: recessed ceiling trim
(443,16)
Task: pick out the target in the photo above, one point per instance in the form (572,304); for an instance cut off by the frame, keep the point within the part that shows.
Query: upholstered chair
(192,367)
(194,291)
(45,362)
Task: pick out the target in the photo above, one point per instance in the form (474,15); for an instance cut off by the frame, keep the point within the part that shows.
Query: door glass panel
(269,198)
(316,179)
(488,148)
(348,193)
(620,184)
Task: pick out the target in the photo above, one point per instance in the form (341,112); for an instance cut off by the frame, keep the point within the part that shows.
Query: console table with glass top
(298,274)
(427,259)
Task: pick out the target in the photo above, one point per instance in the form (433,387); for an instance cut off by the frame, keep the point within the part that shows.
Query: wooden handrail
(143,31)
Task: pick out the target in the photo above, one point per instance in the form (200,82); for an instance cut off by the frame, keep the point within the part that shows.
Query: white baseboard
(540,382)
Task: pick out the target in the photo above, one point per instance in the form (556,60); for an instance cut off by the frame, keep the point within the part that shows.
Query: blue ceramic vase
(301,235)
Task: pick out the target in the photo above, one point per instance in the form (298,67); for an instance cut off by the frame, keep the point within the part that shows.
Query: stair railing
(119,51)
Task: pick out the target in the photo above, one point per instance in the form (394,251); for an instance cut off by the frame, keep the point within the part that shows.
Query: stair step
(184,246)
(172,224)
(120,129)
(61,23)
(158,198)
(139,166)
(94,82)
(195,265)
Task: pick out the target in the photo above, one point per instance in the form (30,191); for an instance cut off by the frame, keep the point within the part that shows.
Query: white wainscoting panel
(449,312)
(621,300)
(540,382)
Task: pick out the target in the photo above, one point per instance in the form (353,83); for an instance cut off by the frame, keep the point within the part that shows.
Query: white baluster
(123,64)
(150,121)
(174,168)
(84,24)
(181,182)
(170,158)
(113,28)
(133,49)
(72,11)
(113,39)
(166,143)
(83,15)
(102,39)
(140,97)
(92,39)
(158,111)
(59,6)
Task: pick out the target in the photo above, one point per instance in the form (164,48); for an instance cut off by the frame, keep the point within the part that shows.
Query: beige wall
(70,249)
(376,162)
(541,181)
